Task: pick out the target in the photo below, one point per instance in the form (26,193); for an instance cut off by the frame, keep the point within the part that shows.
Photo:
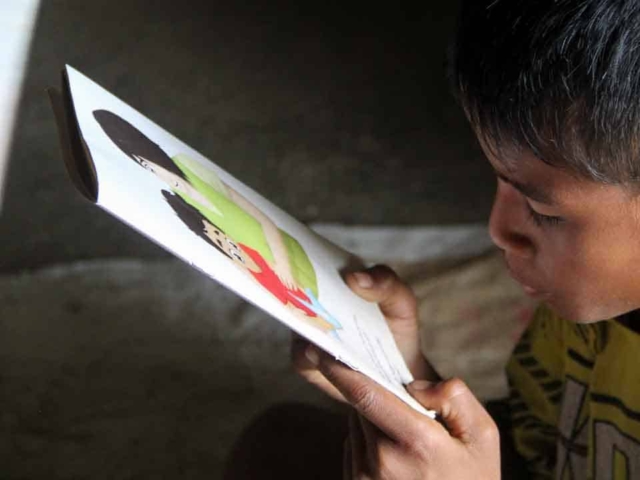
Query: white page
(318,305)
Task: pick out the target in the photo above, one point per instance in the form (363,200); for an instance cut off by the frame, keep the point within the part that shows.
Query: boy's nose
(508,223)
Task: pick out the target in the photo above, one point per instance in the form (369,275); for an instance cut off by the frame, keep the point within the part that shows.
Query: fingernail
(363,280)
(420,385)
(312,355)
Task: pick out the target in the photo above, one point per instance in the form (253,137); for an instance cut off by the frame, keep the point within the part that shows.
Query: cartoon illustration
(303,305)
(228,221)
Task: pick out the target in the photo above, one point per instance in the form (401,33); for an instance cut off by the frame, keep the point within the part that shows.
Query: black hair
(192,218)
(558,77)
(133,142)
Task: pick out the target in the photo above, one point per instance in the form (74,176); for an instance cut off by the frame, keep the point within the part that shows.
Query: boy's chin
(586,313)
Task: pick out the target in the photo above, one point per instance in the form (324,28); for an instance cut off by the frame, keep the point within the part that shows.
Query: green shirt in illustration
(240,226)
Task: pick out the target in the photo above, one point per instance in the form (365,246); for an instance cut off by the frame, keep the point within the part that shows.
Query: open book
(147,178)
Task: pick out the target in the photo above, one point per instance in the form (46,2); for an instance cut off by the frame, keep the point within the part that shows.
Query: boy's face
(570,242)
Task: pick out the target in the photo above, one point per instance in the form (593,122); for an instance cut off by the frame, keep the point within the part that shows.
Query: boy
(552,91)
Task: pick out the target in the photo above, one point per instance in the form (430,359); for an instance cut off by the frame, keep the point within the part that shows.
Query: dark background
(337,114)
(145,369)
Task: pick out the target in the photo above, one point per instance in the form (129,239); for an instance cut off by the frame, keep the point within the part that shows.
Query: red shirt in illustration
(269,280)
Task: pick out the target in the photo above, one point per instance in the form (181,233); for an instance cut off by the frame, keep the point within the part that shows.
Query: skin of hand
(390,440)
(282,265)
(398,304)
(387,438)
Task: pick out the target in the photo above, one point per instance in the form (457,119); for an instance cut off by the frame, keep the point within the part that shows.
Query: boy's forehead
(537,193)
(521,169)
(554,186)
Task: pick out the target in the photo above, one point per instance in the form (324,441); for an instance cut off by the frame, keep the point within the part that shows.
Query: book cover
(140,173)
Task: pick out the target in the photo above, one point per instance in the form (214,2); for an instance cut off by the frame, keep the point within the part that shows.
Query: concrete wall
(338,114)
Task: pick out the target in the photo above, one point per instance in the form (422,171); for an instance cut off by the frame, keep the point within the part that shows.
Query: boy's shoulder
(587,339)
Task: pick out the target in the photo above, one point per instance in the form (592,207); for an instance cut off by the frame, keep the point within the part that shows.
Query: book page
(181,200)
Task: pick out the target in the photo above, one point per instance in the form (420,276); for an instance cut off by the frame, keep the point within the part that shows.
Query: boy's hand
(398,304)
(388,439)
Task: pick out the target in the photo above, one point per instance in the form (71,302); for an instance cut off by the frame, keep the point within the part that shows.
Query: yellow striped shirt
(575,399)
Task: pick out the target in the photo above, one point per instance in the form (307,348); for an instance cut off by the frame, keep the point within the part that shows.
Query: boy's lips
(528,289)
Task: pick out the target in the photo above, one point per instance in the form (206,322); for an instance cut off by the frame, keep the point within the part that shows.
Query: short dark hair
(192,218)
(558,77)
(133,142)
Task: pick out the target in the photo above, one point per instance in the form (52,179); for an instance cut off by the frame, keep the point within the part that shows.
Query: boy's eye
(542,220)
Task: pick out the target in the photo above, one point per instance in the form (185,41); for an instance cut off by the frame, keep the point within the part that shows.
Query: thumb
(398,304)
(460,411)
(380,284)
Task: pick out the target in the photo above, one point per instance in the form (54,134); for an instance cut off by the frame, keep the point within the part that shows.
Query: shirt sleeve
(535,372)
(198,173)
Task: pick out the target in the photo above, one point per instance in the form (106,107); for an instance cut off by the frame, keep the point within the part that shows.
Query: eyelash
(542,220)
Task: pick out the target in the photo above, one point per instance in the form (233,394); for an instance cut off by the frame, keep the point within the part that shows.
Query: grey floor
(338,114)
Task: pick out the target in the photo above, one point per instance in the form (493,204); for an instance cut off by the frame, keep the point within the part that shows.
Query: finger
(399,306)
(382,285)
(308,370)
(462,413)
(390,414)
